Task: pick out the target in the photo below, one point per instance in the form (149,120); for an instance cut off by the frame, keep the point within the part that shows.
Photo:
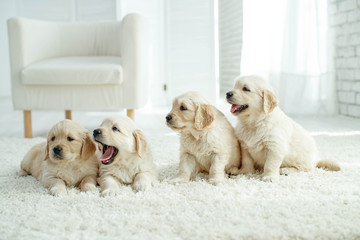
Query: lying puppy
(68,158)
(207,139)
(269,139)
(126,157)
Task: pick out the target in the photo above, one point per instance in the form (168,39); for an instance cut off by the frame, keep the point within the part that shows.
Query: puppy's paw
(287,171)
(270,178)
(22,173)
(216,181)
(245,170)
(233,171)
(110,192)
(89,187)
(58,191)
(141,186)
(178,180)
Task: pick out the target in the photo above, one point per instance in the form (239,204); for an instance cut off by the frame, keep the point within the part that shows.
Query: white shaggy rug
(315,205)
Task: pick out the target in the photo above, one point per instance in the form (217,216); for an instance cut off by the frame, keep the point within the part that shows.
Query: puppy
(67,158)
(269,139)
(126,157)
(207,139)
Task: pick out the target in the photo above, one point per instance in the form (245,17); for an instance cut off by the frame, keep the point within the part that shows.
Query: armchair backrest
(34,40)
(90,39)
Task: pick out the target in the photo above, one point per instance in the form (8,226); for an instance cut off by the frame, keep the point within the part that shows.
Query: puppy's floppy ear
(204,116)
(140,142)
(46,151)
(270,101)
(88,147)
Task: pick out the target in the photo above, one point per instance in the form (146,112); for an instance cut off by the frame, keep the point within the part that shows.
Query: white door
(190,48)
(153,11)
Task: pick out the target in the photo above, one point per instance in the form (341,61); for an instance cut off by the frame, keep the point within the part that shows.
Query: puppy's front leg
(88,183)
(186,168)
(143,181)
(217,170)
(247,163)
(272,166)
(56,186)
(109,186)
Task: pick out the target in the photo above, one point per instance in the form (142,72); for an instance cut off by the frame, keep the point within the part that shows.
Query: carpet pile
(312,205)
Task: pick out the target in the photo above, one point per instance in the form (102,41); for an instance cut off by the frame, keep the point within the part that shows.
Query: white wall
(230,42)
(54,10)
(69,10)
(95,10)
(345,21)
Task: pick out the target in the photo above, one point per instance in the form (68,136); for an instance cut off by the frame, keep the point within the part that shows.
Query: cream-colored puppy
(269,139)
(207,139)
(126,156)
(67,158)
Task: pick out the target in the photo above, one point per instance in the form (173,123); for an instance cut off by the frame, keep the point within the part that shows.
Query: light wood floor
(11,121)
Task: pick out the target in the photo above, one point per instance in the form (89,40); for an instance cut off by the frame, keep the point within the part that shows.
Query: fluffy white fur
(207,139)
(75,165)
(132,164)
(269,139)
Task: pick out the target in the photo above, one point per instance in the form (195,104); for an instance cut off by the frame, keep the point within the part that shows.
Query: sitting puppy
(269,139)
(126,157)
(68,158)
(208,142)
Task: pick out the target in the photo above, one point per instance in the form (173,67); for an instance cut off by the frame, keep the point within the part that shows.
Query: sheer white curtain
(289,43)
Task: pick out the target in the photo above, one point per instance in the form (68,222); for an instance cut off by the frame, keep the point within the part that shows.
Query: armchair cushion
(88,70)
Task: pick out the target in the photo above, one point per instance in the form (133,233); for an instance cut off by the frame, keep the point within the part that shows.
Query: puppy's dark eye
(115,129)
(182,108)
(246,89)
(53,138)
(70,139)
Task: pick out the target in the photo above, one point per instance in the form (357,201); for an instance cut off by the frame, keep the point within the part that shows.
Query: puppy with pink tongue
(109,154)
(126,157)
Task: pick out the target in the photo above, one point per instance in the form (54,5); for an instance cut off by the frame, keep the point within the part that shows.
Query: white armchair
(78,66)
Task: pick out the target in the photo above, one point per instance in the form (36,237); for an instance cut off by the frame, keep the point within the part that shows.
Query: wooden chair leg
(27,124)
(130,113)
(68,114)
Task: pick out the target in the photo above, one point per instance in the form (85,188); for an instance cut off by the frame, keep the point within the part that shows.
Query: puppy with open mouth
(269,139)
(126,157)
(68,158)
(208,142)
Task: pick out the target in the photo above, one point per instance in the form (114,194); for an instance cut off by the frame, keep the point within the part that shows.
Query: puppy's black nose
(96,132)
(168,118)
(229,94)
(57,149)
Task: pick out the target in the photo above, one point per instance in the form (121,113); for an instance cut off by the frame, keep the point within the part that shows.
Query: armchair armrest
(134,53)
(32,40)
(29,41)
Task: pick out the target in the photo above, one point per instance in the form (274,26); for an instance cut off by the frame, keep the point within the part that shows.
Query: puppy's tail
(329,165)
